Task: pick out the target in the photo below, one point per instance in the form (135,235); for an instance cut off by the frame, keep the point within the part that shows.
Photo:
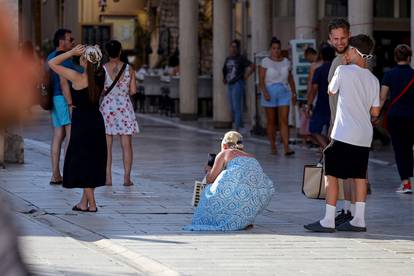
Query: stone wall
(206,36)
(168,20)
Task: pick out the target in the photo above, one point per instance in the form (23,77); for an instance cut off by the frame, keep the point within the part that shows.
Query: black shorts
(343,160)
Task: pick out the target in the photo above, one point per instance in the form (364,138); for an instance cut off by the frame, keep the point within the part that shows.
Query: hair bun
(233,139)
(275,39)
(93,54)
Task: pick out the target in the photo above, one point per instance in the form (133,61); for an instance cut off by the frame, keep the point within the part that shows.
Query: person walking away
(85,159)
(314,58)
(401,113)
(320,114)
(117,109)
(347,155)
(274,77)
(234,76)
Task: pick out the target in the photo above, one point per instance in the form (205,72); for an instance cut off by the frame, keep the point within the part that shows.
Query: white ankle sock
(347,206)
(329,219)
(352,209)
(359,216)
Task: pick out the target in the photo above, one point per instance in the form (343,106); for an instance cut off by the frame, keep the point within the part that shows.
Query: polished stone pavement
(137,230)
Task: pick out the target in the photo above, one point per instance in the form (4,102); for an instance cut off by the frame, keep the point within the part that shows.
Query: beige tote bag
(313,185)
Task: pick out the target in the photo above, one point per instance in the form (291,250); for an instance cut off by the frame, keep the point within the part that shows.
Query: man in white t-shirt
(347,155)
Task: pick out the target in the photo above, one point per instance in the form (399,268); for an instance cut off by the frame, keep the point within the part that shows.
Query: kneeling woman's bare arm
(218,166)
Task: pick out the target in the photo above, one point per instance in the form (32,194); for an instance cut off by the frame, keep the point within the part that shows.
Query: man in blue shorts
(62,102)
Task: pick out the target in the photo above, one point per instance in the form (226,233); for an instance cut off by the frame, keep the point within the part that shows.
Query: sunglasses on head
(364,56)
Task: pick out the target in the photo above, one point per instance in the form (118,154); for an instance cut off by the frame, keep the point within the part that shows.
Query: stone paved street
(137,230)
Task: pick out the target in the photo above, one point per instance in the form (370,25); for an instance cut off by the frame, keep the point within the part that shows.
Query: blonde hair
(233,140)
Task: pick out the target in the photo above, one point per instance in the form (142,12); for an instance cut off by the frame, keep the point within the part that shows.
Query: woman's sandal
(56,182)
(129,184)
(289,153)
(77,209)
(92,211)
(248,227)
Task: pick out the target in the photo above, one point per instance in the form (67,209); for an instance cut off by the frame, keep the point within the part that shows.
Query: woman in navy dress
(85,160)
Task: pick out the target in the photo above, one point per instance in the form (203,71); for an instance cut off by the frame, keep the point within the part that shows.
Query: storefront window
(405,8)
(336,8)
(384,8)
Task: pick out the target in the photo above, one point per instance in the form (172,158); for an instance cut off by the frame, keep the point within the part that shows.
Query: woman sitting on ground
(239,191)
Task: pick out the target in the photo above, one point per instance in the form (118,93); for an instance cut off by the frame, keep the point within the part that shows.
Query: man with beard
(339,34)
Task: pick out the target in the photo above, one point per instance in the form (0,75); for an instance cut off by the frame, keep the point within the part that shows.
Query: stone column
(261,28)
(305,18)
(188,46)
(222,24)
(261,25)
(283,6)
(361,16)
(12,7)
(2,147)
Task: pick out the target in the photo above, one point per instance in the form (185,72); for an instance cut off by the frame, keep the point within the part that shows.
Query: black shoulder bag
(115,80)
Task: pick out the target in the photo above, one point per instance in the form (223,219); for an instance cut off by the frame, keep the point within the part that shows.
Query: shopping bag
(313,184)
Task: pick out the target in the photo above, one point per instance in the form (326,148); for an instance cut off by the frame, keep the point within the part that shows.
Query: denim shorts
(279,96)
(60,112)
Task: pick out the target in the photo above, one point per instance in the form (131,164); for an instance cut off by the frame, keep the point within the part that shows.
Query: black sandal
(289,153)
(77,209)
(92,211)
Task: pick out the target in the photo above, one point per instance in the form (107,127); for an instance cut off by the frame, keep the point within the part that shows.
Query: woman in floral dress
(117,110)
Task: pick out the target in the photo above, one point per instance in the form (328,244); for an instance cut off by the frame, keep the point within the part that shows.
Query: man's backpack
(46,90)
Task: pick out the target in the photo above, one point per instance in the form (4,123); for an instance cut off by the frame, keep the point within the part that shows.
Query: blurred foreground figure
(17,82)
(11,263)
(18,77)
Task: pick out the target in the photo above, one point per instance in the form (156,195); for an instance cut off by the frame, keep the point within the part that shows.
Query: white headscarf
(93,54)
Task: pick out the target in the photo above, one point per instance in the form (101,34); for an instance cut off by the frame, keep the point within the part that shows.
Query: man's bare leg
(58,136)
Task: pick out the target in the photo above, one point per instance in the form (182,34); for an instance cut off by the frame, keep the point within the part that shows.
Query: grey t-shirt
(333,99)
